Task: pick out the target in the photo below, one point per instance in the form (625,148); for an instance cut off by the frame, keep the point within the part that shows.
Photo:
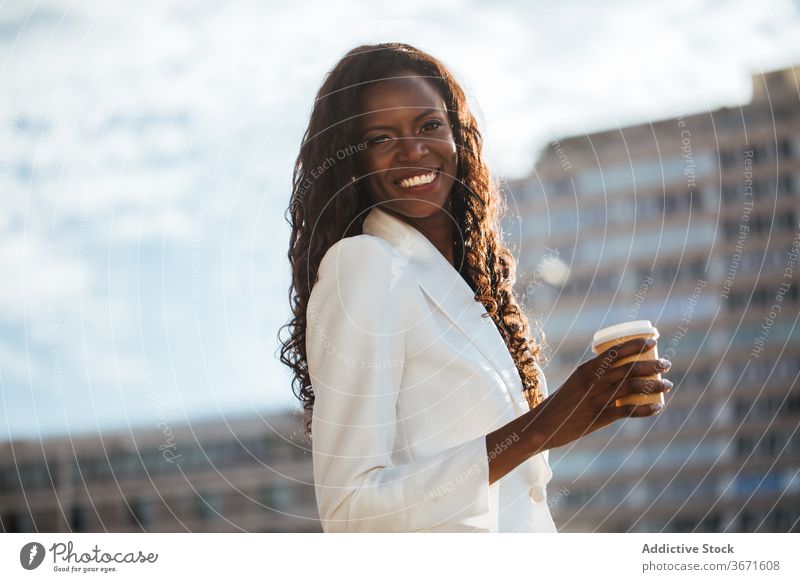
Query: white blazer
(408,380)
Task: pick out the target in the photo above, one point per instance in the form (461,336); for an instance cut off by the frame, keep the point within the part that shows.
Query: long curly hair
(335,190)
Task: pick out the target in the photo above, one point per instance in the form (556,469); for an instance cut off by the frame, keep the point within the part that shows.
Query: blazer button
(538,493)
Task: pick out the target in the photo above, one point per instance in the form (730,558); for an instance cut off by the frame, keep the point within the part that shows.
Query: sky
(146,152)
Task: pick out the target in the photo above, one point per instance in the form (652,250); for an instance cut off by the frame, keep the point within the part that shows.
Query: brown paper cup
(620,333)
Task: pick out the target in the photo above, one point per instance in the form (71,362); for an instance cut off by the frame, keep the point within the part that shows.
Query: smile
(417,181)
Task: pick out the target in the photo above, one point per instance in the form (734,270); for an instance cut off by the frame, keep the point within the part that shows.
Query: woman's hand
(585,402)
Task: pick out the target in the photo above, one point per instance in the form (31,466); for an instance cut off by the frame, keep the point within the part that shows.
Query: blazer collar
(445,286)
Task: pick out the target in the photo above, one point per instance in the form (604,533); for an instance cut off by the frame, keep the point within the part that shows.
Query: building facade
(692,222)
(251,474)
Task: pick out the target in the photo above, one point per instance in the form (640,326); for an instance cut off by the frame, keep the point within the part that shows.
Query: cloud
(43,275)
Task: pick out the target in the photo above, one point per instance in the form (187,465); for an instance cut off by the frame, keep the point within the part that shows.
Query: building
(692,222)
(250,474)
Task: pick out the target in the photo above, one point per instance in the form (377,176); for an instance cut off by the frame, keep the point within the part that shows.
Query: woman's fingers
(638,368)
(642,386)
(629,348)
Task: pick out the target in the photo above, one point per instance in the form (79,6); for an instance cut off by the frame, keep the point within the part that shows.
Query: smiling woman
(418,212)
(418,371)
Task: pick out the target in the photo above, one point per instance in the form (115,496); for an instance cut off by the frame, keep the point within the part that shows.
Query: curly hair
(329,199)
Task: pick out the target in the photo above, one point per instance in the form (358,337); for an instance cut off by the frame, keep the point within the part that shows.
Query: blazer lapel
(449,291)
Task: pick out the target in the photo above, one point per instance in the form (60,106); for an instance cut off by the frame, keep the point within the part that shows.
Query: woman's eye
(382,139)
(378,140)
(434,124)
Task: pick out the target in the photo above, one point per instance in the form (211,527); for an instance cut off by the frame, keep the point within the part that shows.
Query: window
(751,483)
(78,518)
(561,187)
(792,405)
(727,158)
(782,520)
(747,521)
(17,522)
(683,525)
(194,459)
(729,192)
(760,153)
(299,451)
(278,496)
(641,174)
(126,465)
(141,512)
(208,505)
(711,523)
(784,148)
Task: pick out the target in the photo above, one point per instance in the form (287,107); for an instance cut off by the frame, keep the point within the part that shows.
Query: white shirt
(408,380)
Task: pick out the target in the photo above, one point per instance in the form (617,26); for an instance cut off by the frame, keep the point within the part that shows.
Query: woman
(425,400)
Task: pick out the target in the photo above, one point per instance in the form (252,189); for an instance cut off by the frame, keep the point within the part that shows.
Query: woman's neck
(438,229)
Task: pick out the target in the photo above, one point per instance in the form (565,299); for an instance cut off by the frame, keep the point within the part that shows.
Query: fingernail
(658,407)
(663,364)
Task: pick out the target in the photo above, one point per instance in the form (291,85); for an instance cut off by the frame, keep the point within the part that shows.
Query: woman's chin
(415,208)
(419,206)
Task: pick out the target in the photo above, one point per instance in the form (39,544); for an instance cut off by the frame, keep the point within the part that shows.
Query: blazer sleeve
(355,345)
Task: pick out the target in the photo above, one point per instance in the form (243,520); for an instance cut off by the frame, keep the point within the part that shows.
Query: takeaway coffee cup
(622,332)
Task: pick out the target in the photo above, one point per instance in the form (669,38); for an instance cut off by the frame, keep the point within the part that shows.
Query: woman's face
(410,160)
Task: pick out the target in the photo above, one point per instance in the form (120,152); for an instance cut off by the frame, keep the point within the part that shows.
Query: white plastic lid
(623,329)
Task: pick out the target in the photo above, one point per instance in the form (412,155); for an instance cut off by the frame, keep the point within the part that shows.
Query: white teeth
(418,180)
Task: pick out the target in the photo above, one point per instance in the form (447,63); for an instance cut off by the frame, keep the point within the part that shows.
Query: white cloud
(43,276)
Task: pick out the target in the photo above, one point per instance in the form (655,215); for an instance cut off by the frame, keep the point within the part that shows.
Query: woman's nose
(412,148)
